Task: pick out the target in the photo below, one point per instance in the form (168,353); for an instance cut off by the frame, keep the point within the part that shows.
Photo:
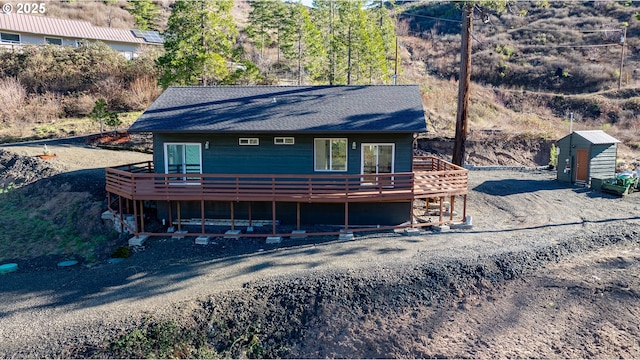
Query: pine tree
(198,43)
(145,13)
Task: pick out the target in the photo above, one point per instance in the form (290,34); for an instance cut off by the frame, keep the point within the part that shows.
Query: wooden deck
(431,178)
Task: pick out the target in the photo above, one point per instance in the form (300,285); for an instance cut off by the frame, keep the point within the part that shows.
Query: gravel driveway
(44,314)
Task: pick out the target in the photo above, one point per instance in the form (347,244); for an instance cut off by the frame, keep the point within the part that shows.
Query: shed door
(582,164)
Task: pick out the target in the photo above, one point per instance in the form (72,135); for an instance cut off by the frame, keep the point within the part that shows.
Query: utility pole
(623,39)
(463,86)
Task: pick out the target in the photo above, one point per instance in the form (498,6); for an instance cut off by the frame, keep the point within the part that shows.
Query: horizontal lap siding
(380,213)
(603,161)
(226,156)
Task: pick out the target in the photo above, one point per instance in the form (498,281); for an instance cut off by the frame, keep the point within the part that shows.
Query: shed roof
(597,137)
(78,29)
(377,108)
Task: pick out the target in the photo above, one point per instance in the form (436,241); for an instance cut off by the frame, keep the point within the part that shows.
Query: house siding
(366,214)
(564,147)
(603,161)
(226,156)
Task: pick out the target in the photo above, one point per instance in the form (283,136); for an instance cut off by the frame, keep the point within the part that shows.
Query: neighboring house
(290,154)
(18,29)
(588,154)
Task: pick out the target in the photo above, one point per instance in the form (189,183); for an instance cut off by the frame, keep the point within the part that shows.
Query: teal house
(289,154)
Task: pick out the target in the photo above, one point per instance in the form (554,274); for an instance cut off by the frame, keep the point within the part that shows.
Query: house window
(183,159)
(330,154)
(284,140)
(248,141)
(127,54)
(53,41)
(9,38)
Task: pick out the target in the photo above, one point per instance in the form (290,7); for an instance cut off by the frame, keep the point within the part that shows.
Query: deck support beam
(440,222)
(141,215)
(273,217)
(233,220)
(464,208)
(135,218)
(120,214)
(346,216)
(451,202)
(297,216)
(250,220)
(411,220)
(202,214)
(179,218)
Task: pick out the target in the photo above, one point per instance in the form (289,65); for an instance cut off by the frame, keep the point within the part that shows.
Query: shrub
(121,252)
(13,95)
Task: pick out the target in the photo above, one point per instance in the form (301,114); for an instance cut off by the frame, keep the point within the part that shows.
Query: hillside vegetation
(533,67)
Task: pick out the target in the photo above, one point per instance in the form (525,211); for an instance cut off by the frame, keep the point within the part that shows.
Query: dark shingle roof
(285,109)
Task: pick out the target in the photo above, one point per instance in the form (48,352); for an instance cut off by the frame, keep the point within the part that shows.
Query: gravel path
(43,314)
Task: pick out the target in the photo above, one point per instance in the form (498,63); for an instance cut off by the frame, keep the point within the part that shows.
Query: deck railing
(431,177)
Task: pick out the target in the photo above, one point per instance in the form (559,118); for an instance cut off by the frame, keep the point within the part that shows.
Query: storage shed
(586,154)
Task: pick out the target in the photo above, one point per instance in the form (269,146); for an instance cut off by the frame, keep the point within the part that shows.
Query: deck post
(464,208)
(441,209)
(273,217)
(298,215)
(179,218)
(411,213)
(141,216)
(135,217)
(233,222)
(170,213)
(202,214)
(346,216)
(120,214)
(452,200)
(250,221)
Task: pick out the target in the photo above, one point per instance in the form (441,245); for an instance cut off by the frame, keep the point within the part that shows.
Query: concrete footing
(202,240)
(233,234)
(441,228)
(411,232)
(138,240)
(298,234)
(179,234)
(461,226)
(274,240)
(249,229)
(345,236)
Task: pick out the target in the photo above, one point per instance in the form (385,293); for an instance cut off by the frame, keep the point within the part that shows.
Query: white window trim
(53,38)
(346,160)
(249,141)
(393,161)
(282,140)
(10,41)
(184,181)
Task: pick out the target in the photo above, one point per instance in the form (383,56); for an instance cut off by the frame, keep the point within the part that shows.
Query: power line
(431,17)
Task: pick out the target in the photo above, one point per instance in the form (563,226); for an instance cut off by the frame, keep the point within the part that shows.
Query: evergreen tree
(145,13)
(198,43)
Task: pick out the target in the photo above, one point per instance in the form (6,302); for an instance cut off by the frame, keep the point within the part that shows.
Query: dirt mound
(23,170)
(492,149)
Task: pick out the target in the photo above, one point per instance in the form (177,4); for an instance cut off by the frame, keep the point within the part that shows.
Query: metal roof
(285,109)
(76,29)
(597,137)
